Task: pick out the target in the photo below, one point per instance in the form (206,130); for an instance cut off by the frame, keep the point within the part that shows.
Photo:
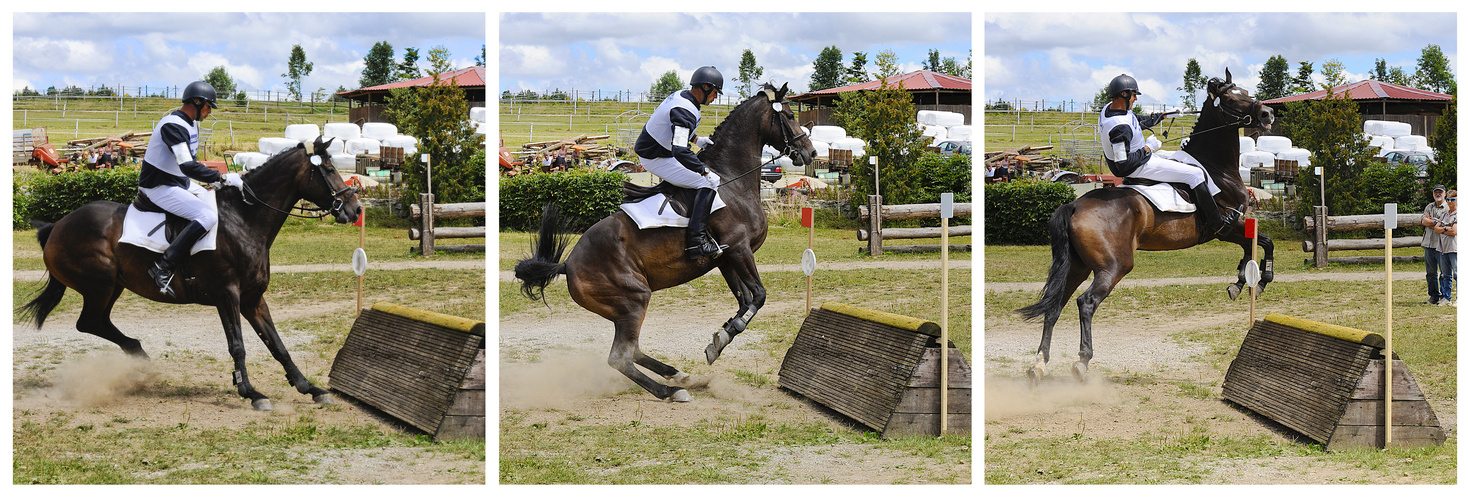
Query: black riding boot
(178,249)
(1214,221)
(699,242)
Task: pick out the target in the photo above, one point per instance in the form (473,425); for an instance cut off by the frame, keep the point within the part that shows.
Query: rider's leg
(699,241)
(1167,170)
(202,218)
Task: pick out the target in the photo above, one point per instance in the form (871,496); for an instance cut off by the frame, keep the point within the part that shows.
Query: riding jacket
(668,131)
(169,158)
(1122,141)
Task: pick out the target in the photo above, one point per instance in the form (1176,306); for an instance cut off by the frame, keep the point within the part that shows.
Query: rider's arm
(1148,121)
(177,140)
(1120,137)
(683,124)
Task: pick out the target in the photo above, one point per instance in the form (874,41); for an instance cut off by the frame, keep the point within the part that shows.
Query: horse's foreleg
(258,314)
(1266,274)
(743,279)
(229,315)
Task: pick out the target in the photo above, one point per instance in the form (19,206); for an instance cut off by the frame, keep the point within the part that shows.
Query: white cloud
(60,55)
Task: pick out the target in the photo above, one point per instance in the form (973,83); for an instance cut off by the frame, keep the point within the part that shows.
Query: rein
(785,133)
(336,198)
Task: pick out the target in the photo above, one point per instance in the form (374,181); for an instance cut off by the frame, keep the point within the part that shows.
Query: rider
(663,149)
(168,164)
(1128,154)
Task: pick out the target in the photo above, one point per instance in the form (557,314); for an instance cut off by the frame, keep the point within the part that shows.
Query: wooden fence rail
(875,233)
(1321,246)
(425,233)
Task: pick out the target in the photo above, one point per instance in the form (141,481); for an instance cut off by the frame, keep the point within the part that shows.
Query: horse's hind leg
(625,355)
(1101,287)
(96,319)
(258,314)
(1075,276)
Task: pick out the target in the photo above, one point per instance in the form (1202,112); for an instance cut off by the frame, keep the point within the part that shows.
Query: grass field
(523,122)
(1009,130)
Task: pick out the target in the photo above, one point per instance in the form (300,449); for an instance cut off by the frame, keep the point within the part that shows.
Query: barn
(930,90)
(1384,101)
(367,103)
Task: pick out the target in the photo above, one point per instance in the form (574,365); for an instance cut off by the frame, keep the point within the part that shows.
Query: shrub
(53,197)
(1019,212)
(585,197)
(924,181)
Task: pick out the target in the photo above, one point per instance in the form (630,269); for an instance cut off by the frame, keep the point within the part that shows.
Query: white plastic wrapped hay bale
(823,148)
(950,119)
(344,161)
(927,117)
(942,136)
(1256,159)
(850,143)
(378,131)
(960,133)
(828,133)
(1296,154)
(1273,144)
(1245,173)
(1246,145)
(272,145)
(343,131)
(1387,128)
(768,150)
(249,160)
(933,130)
(407,142)
(1382,141)
(1412,143)
(477,114)
(302,131)
(364,146)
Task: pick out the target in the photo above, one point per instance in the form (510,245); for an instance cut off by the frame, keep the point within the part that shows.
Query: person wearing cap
(1446,231)
(663,148)
(168,164)
(1431,214)
(1129,154)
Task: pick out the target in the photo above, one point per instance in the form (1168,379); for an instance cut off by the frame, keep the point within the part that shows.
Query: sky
(1062,56)
(630,51)
(168,49)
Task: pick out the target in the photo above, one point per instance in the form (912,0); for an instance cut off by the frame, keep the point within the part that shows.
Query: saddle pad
(137,224)
(652,212)
(1164,197)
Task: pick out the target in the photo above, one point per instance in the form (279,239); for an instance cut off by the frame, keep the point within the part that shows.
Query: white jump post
(946,212)
(1390,222)
(808,258)
(1251,269)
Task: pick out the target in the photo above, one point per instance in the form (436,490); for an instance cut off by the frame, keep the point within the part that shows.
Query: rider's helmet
(708,75)
(1120,84)
(200,90)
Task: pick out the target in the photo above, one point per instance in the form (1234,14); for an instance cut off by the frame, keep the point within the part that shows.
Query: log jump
(875,233)
(1321,246)
(425,234)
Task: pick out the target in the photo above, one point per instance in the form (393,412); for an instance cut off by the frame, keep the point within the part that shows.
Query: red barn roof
(917,80)
(468,77)
(1368,90)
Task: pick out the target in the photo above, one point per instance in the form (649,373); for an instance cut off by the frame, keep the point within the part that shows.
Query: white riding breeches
(670,170)
(1162,169)
(183,203)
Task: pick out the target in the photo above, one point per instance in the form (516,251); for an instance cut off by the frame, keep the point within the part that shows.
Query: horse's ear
(1227,77)
(780,94)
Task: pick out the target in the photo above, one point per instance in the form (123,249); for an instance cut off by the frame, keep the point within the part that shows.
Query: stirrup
(706,247)
(163,278)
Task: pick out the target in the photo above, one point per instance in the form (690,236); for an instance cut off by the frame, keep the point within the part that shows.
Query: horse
(1099,232)
(81,252)
(614,268)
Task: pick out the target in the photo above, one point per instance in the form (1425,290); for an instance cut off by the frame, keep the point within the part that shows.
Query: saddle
(677,197)
(1182,189)
(171,224)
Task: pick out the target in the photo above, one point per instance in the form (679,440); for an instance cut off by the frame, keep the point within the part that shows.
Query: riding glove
(233,179)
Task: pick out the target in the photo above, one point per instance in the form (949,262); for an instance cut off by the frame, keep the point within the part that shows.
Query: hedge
(585,197)
(50,198)
(1018,212)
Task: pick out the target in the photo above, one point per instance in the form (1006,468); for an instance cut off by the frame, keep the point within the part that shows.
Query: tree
(749,73)
(883,117)
(1378,73)
(408,69)
(1273,79)
(664,86)
(828,70)
(1334,72)
(480,61)
(887,64)
(1102,99)
(296,69)
(1192,81)
(857,72)
(337,96)
(934,62)
(1330,128)
(1444,140)
(439,61)
(1433,71)
(219,78)
(1302,83)
(437,114)
(378,67)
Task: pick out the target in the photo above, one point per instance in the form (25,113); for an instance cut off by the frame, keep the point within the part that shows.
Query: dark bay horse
(82,253)
(1099,232)
(615,267)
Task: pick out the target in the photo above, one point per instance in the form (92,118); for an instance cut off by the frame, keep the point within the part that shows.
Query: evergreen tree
(934,62)
(1444,141)
(828,70)
(1192,81)
(1302,83)
(378,66)
(1378,73)
(408,69)
(1330,128)
(480,61)
(857,72)
(297,68)
(1274,79)
(437,114)
(664,86)
(1102,99)
(883,117)
(749,73)
(1434,72)
(1334,72)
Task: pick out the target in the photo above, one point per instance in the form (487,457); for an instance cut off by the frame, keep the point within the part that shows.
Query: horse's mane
(744,108)
(714,156)
(275,159)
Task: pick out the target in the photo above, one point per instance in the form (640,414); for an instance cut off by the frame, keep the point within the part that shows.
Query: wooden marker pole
(946,209)
(1391,223)
(808,219)
(1251,231)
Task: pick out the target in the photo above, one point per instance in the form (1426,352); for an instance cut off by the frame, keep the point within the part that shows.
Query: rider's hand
(702,142)
(232,179)
(1153,144)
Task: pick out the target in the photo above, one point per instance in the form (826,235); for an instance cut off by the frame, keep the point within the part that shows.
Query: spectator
(1431,214)
(105,160)
(1446,231)
(988,174)
(546,163)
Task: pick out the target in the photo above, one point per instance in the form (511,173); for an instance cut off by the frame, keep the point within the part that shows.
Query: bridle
(787,134)
(319,165)
(1240,118)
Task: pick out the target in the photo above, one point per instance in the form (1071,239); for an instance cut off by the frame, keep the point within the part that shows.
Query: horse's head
(1236,106)
(784,133)
(321,184)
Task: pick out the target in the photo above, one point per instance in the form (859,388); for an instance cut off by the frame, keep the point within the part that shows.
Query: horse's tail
(550,244)
(1052,300)
(40,307)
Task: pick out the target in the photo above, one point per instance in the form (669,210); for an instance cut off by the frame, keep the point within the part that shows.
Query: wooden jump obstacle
(1325,381)
(879,369)
(1321,246)
(426,235)
(422,367)
(875,233)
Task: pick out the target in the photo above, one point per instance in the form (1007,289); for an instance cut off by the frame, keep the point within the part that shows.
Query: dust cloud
(1007,397)
(558,380)
(101,379)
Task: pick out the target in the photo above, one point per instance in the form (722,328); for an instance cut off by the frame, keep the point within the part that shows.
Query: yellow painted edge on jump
(896,320)
(1341,332)
(433,318)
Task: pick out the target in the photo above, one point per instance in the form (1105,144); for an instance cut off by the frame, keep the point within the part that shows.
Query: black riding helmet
(708,75)
(200,90)
(1122,83)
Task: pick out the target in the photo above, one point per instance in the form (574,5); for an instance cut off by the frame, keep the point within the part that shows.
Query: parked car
(770,171)
(959,147)
(1420,159)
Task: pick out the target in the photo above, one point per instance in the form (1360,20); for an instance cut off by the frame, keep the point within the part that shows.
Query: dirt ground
(58,370)
(569,375)
(1110,406)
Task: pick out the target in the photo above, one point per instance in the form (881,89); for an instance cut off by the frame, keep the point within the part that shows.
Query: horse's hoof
(1078,369)
(716,347)
(1234,290)
(324,399)
(262,404)
(679,378)
(680,396)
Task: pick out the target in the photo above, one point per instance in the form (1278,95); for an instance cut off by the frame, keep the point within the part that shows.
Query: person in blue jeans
(1430,215)
(1446,231)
